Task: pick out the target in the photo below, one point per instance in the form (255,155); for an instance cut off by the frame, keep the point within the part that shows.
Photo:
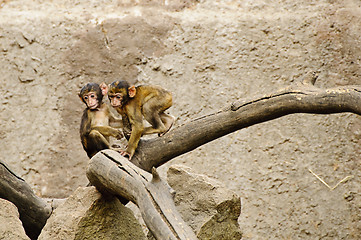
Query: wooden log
(113,174)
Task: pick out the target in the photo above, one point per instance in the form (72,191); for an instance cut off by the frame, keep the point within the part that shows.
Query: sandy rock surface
(11,226)
(86,214)
(209,208)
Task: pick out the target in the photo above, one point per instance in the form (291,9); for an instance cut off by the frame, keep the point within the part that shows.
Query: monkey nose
(115,104)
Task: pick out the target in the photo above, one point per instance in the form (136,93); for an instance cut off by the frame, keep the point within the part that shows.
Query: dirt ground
(209,53)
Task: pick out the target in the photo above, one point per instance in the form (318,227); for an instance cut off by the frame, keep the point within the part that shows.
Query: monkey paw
(119,135)
(125,154)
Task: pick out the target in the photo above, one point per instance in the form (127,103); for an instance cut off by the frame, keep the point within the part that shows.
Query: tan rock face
(11,226)
(206,204)
(88,215)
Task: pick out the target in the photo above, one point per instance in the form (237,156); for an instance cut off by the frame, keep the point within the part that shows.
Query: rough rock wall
(208,53)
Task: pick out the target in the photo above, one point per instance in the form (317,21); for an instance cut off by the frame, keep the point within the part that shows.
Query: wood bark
(304,98)
(33,210)
(113,174)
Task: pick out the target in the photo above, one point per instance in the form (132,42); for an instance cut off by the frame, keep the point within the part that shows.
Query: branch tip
(155,174)
(310,78)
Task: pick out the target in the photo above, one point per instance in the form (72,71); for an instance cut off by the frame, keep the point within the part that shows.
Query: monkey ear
(80,97)
(132,91)
(104,87)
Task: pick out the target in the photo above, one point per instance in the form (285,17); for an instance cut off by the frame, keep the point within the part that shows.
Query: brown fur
(136,102)
(95,127)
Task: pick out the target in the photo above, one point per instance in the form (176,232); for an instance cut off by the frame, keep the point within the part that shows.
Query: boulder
(88,215)
(11,226)
(206,204)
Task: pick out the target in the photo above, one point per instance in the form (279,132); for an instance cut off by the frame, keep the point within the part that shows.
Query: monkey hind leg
(168,121)
(153,112)
(96,142)
(161,123)
(156,122)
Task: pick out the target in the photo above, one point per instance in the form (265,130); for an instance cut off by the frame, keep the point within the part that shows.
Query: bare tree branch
(33,210)
(305,98)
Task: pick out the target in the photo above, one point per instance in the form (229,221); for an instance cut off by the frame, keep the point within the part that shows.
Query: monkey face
(119,94)
(91,95)
(116,99)
(91,100)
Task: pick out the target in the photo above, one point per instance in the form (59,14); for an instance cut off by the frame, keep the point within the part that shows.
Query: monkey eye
(92,96)
(86,97)
(114,96)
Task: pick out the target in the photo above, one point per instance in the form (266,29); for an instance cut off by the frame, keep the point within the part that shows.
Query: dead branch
(33,210)
(244,113)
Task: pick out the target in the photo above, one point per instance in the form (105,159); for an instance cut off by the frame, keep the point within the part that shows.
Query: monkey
(132,103)
(95,126)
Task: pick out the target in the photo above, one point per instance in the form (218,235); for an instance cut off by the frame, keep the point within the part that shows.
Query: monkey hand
(126,154)
(119,135)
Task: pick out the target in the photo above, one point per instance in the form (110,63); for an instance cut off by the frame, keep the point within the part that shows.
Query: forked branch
(108,170)
(303,98)
(113,174)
